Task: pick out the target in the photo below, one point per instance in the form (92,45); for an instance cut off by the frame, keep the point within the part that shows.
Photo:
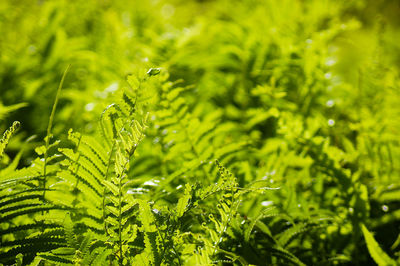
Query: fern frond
(286,255)
(19,199)
(376,252)
(29,251)
(69,232)
(33,241)
(85,187)
(29,209)
(100,256)
(54,259)
(26,227)
(288,234)
(84,170)
(184,201)
(268,212)
(6,137)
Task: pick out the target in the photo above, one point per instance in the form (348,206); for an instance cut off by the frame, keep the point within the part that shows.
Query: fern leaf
(29,210)
(93,149)
(12,193)
(268,212)
(84,186)
(282,253)
(69,231)
(288,234)
(94,225)
(19,199)
(54,259)
(84,170)
(146,217)
(27,250)
(6,137)
(63,251)
(141,260)
(113,188)
(85,244)
(184,201)
(29,226)
(101,258)
(376,252)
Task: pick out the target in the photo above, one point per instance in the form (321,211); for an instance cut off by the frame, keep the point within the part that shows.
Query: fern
(296,100)
(93,172)
(95,200)
(6,137)
(379,256)
(49,134)
(190,142)
(97,171)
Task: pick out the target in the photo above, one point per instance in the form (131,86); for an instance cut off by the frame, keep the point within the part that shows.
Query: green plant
(267,136)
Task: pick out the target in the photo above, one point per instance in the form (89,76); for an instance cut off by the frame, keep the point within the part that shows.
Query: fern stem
(177,255)
(49,126)
(104,190)
(120,212)
(120,219)
(76,161)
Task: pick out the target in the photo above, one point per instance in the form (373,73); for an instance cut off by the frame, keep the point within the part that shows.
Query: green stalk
(49,135)
(120,219)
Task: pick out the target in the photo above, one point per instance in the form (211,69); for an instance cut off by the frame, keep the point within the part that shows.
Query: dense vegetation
(222,132)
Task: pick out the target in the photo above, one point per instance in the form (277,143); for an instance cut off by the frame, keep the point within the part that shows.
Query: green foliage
(266,135)
(379,256)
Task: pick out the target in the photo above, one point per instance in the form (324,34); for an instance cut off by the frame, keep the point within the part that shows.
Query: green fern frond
(6,137)
(37,242)
(376,252)
(286,255)
(28,209)
(83,168)
(28,250)
(69,231)
(184,201)
(188,140)
(288,234)
(101,256)
(27,227)
(268,212)
(54,259)
(20,198)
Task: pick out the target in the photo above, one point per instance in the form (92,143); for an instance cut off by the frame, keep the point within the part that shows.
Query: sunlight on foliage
(199,132)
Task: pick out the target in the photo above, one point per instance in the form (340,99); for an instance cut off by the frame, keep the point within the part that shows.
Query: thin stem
(49,135)
(120,219)
(104,190)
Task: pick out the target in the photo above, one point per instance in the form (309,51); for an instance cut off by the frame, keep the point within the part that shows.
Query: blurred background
(202,42)
(106,40)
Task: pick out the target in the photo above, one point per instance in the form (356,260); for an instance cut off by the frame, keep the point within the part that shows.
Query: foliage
(199,132)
